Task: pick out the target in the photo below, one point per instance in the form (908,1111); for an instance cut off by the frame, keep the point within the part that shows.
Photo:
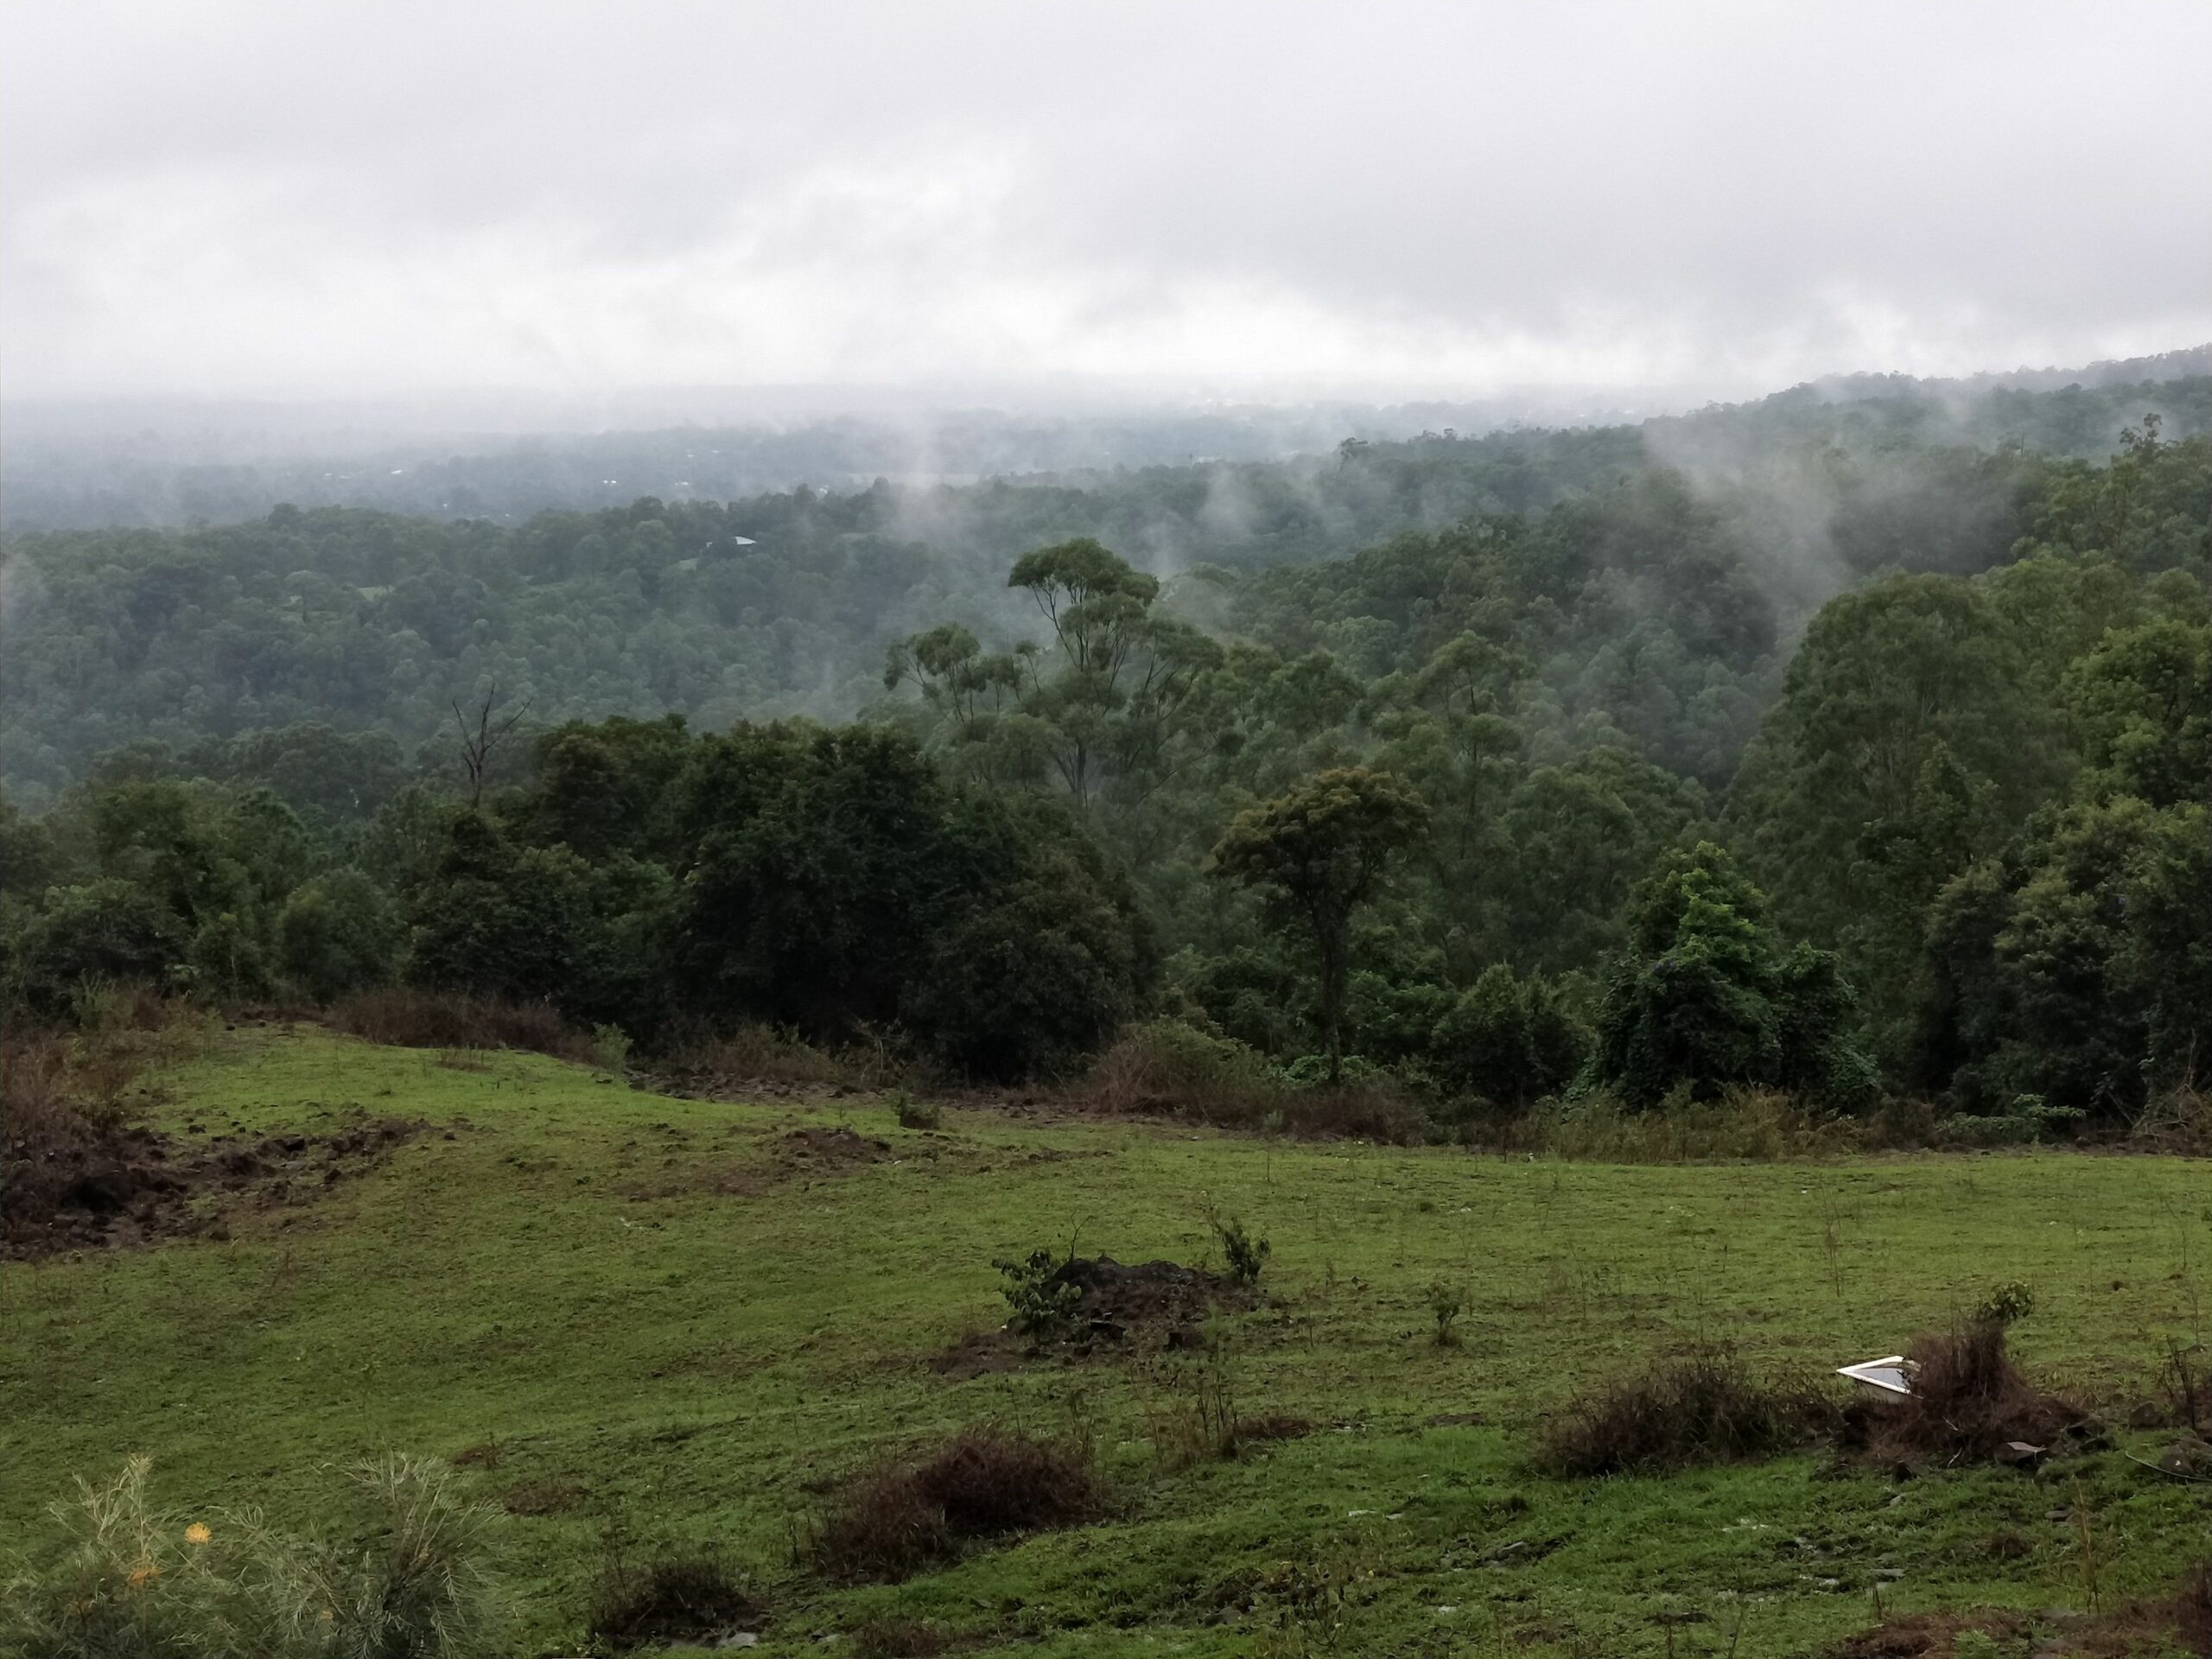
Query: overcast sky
(1358,197)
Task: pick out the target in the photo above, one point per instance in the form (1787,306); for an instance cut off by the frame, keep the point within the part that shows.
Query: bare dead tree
(476,745)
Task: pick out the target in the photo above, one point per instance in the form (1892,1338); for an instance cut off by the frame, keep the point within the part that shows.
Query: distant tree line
(1605,794)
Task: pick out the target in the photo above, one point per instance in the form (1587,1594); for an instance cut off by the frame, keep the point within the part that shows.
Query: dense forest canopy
(1851,746)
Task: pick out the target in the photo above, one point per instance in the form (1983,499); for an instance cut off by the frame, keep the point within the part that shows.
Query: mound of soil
(838,1148)
(1160,1302)
(1116,1299)
(136,1186)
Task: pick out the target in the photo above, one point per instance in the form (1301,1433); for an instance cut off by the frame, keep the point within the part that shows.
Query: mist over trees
(1852,747)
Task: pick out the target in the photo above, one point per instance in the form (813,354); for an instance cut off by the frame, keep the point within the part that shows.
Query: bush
(1445,1303)
(1245,1255)
(675,1596)
(338,934)
(985,1482)
(754,1053)
(1968,1400)
(1172,1067)
(407,1017)
(1046,1305)
(1167,1065)
(1509,1040)
(1703,1410)
(917,1114)
(108,931)
(133,1582)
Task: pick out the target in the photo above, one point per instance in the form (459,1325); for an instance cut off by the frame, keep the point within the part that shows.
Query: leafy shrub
(338,934)
(108,931)
(131,1582)
(2030,1120)
(984,1483)
(1509,1040)
(1708,1409)
(917,1114)
(757,1052)
(1704,996)
(1046,1307)
(2006,1305)
(1445,1304)
(610,1046)
(1246,1256)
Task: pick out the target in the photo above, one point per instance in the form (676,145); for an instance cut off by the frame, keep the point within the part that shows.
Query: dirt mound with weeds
(115,1188)
(897,1519)
(1115,1299)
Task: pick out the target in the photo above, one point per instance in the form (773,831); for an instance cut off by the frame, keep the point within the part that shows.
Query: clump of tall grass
(1701,1410)
(1744,1125)
(127,1581)
(1171,1068)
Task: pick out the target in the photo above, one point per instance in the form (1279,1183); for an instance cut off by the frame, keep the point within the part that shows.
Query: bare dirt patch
(127,1187)
(1928,1635)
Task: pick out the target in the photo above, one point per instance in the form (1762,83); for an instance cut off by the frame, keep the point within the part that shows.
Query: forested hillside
(1774,747)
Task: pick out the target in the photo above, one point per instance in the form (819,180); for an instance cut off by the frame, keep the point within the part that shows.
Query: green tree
(1702,997)
(338,934)
(1320,851)
(1510,1040)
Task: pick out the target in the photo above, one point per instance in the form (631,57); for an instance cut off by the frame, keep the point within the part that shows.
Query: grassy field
(656,1311)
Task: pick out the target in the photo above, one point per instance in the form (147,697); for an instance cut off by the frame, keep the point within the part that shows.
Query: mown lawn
(646,1301)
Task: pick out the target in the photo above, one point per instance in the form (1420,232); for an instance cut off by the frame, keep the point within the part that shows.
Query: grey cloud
(239,195)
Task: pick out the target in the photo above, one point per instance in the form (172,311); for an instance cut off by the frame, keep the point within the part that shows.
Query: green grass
(560,1279)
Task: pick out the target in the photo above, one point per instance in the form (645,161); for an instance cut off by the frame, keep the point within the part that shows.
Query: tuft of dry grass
(984,1483)
(672,1597)
(896,1638)
(1968,1401)
(1701,1410)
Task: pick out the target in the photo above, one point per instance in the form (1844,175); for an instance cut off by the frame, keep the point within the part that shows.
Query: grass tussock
(895,1637)
(1166,1068)
(1743,1126)
(1704,1410)
(678,1596)
(985,1482)
(69,1099)
(406,1017)
(126,1578)
(1968,1401)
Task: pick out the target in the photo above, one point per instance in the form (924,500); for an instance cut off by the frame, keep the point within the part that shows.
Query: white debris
(1892,1374)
